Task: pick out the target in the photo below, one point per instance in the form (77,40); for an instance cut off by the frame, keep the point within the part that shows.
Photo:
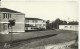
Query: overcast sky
(47,10)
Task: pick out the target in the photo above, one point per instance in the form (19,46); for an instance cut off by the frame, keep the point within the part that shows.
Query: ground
(61,36)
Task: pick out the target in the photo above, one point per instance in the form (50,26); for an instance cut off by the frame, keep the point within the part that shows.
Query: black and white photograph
(39,24)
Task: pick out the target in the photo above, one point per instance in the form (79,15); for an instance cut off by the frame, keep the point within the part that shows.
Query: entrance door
(5,28)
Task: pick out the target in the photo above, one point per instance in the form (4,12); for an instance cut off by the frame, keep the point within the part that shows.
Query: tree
(73,23)
(57,22)
(48,25)
(11,24)
(64,23)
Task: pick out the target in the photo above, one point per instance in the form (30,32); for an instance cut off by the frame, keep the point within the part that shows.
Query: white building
(6,15)
(34,23)
(69,27)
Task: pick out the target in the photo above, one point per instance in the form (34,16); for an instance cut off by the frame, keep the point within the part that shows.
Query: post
(0,15)
(11,33)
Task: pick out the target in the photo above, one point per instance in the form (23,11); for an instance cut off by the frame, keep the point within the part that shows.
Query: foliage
(73,23)
(55,24)
(11,22)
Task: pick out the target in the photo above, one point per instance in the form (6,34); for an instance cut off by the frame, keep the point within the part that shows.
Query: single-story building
(69,27)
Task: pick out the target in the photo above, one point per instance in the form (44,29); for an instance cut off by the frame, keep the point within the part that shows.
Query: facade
(6,15)
(69,27)
(34,23)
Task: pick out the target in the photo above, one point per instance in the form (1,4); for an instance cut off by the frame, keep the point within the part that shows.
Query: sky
(45,9)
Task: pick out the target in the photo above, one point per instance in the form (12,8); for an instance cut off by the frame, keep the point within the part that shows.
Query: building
(7,14)
(69,27)
(34,24)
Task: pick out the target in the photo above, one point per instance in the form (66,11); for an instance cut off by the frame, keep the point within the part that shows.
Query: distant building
(69,27)
(34,23)
(6,15)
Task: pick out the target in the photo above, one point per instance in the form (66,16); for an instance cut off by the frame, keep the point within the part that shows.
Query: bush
(41,29)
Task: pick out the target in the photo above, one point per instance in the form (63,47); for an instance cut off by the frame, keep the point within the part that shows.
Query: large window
(6,15)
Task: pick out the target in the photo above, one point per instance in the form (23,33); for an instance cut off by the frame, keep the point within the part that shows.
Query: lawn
(26,35)
(62,36)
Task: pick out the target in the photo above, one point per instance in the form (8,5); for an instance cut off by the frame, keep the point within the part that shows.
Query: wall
(69,27)
(20,22)
(19,25)
(3,25)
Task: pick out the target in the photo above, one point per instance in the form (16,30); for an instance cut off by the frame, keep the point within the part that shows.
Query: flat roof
(34,19)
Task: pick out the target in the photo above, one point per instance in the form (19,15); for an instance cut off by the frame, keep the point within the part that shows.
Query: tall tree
(57,22)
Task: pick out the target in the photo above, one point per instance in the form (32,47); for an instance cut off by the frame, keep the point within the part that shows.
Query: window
(3,15)
(36,21)
(70,26)
(26,25)
(44,24)
(36,25)
(9,15)
(27,28)
(43,21)
(40,24)
(27,20)
(6,15)
(33,21)
(65,26)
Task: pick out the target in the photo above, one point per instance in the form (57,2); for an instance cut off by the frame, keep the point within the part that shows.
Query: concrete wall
(69,27)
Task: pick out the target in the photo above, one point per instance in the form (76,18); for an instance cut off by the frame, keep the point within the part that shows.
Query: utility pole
(68,20)
(0,15)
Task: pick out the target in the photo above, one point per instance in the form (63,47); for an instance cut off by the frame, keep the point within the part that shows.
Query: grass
(62,36)
(26,35)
